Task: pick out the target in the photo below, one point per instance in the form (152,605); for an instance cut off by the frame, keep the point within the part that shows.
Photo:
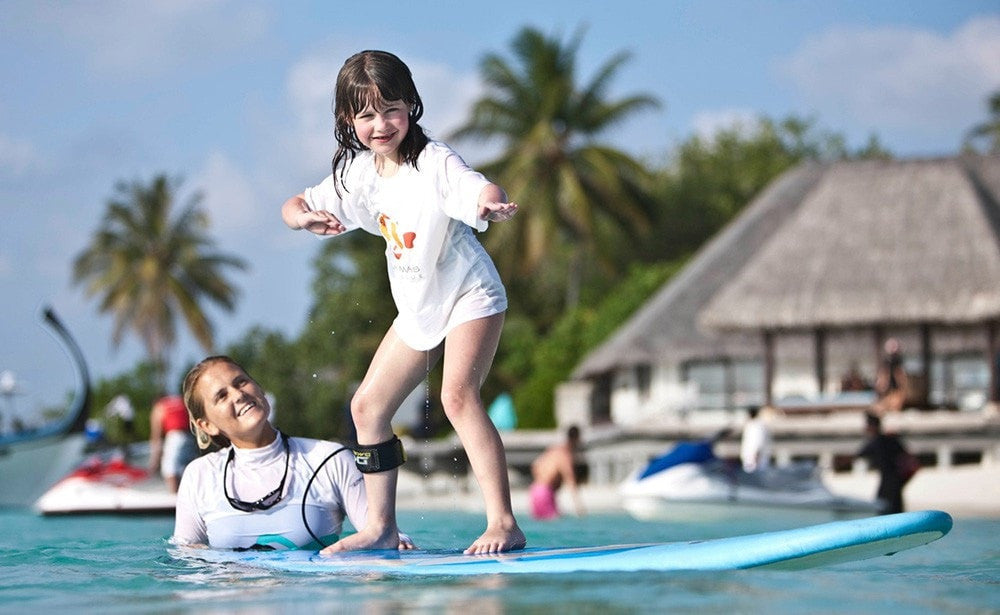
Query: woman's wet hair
(196,406)
(369,78)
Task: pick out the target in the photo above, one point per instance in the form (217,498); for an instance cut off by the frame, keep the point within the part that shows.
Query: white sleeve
(351,485)
(460,186)
(347,205)
(189,525)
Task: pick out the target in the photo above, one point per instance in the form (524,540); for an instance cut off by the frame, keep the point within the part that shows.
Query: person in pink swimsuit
(549,471)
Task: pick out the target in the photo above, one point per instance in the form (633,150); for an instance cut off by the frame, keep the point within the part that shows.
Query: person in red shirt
(171,445)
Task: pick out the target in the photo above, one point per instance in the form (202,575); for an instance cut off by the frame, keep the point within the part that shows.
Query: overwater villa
(804,286)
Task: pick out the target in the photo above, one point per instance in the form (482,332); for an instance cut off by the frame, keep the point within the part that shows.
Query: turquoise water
(121,565)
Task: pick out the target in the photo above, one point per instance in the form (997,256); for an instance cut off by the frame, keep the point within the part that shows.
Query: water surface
(121,565)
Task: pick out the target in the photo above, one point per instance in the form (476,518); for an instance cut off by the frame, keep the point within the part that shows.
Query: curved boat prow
(76,419)
(32,460)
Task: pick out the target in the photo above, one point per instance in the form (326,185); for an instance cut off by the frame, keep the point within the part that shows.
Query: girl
(389,179)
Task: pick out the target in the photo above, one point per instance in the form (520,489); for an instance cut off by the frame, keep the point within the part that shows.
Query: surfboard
(807,547)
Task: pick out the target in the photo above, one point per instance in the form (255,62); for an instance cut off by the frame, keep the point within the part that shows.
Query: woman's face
(382,126)
(235,406)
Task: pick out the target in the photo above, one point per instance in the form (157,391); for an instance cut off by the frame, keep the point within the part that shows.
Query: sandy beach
(963,491)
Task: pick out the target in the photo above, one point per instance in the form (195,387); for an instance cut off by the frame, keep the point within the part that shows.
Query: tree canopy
(149,267)
(579,196)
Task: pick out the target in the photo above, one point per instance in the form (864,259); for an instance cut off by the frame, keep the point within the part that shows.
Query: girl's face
(382,126)
(235,406)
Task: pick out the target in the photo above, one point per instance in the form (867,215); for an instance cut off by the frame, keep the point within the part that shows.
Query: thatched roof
(875,242)
(838,245)
(666,324)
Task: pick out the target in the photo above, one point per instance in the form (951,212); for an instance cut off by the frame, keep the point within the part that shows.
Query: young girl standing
(389,179)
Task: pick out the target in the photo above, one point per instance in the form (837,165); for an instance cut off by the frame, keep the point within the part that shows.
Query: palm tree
(148,266)
(988,131)
(579,195)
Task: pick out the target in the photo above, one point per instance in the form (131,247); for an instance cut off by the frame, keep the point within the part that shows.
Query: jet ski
(690,483)
(108,483)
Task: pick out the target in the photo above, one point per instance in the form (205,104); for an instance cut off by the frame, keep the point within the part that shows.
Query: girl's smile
(382,126)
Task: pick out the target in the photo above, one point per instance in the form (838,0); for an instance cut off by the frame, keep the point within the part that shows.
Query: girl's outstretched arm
(493,205)
(297,215)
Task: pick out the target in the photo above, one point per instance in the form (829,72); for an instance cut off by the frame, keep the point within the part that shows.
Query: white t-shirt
(439,273)
(755,446)
(204,515)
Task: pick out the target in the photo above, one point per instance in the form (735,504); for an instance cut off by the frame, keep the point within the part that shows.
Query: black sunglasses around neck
(263,503)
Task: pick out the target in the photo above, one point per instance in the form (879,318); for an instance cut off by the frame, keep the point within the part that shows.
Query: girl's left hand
(497,212)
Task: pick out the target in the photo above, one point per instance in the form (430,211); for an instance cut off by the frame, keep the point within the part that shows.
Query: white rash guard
(205,517)
(439,273)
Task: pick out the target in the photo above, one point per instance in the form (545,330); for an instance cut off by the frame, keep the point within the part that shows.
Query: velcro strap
(381,457)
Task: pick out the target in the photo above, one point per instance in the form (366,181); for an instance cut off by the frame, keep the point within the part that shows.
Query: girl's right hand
(297,214)
(319,222)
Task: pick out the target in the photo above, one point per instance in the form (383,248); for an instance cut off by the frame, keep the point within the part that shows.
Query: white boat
(109,484)
(34,459)
(690,483)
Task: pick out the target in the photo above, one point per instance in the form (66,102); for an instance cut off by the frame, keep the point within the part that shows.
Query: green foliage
(873,150)
(708,181)
(985,136)
(579,331)
(579,197)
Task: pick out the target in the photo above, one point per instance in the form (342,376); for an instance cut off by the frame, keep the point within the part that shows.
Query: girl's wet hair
(196,406)
(367,78)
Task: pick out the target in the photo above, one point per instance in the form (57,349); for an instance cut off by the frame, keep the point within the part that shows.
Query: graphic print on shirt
(390,230)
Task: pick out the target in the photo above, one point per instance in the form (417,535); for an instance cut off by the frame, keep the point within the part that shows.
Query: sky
(234,97)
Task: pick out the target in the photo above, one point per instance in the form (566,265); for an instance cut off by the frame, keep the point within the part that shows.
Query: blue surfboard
(807,547)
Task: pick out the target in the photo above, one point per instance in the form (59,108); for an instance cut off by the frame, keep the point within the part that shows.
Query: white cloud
(895,78)
(139,39)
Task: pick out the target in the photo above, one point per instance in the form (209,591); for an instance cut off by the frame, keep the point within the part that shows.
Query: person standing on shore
(549,471)
(884,452)
(891,382)
(755,445)
(171,445)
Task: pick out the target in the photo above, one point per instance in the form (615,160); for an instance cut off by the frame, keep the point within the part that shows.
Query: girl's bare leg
(394,372)
(468,356)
